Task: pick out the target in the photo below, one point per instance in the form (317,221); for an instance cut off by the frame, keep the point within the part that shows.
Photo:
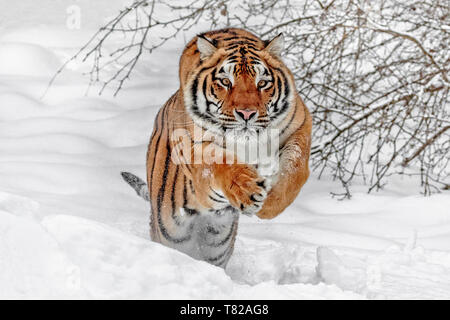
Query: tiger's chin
(243,134)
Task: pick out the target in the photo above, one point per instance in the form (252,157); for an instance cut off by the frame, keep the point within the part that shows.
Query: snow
(27,59)
(71,228)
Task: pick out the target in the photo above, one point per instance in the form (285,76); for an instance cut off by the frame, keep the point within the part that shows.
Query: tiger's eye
(262,83)
(226,82)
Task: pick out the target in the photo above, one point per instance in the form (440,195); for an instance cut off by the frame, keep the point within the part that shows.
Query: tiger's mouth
(245,129)
(245,126)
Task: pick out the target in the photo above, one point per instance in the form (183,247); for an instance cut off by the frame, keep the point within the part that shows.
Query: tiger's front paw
(244,188)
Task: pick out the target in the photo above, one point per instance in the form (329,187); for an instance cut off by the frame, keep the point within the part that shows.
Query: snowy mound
(70,257)
(19,106)
(27,59)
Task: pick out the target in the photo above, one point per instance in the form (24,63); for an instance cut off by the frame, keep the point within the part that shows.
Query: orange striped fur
(225,75)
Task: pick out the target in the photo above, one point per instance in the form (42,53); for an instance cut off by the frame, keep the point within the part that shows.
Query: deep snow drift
(71,228)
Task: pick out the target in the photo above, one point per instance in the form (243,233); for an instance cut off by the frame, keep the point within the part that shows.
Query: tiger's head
(232,80)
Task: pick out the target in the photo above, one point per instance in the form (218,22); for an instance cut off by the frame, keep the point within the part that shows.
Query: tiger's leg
(170,192)
(180,222)
(238,185)
(216,233)
(295,172)
(204,234)
(213,228)
(173,213)
(220,181)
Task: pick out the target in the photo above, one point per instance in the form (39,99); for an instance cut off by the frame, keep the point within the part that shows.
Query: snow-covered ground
(71,228)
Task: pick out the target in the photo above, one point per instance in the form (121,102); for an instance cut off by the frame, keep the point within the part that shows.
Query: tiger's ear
(205,47)
(275,46)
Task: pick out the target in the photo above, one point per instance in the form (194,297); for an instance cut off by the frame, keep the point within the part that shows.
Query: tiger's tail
(137,184)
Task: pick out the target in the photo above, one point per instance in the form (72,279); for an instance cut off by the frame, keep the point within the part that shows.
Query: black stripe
(160,198)
(156,149)
(214,93)
(184,192)
(194,89)
(220,256)
(278,87)
(192,187)
(250,46)
(172,197)
(285,104)
(216,200)
(211,229)
(225,258)
(290,121)
(190,211)
(249,39)
(205,80)
(230,38)
(217,194)
(253,54)
(227,237)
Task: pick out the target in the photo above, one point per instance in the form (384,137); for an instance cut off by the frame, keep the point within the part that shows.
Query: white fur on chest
(262,151)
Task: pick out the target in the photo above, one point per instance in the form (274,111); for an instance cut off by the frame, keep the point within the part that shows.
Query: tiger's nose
(245,114)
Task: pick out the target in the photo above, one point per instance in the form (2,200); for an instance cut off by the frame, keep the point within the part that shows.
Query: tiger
(232,83)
